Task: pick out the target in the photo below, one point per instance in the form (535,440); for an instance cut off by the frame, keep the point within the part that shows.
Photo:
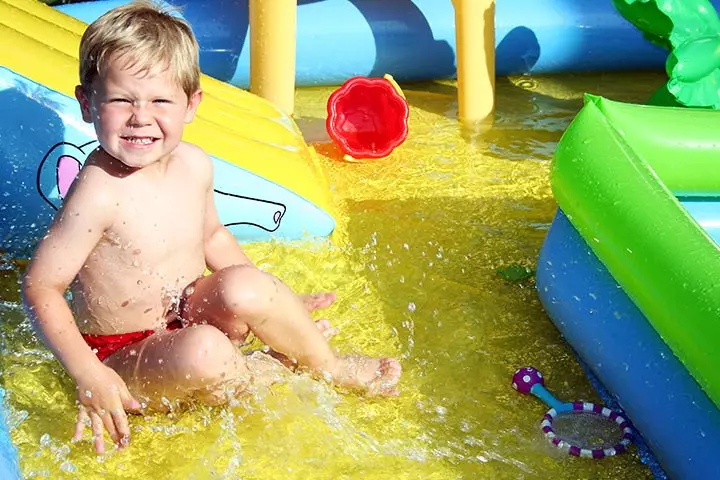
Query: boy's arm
(58,258)
(221,247)
(76,230)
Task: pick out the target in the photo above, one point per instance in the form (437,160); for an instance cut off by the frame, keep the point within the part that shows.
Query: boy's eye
(119,100)
(161,100)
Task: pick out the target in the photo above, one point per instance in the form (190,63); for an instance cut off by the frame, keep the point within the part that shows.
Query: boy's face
(139,119)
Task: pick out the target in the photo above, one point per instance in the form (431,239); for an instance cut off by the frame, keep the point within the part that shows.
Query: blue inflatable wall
(415,40)
(677,420)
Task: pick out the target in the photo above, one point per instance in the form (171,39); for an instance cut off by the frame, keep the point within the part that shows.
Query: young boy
(134,237)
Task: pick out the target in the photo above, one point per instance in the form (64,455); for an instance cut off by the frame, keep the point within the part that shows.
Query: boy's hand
(317,301)
(103,400)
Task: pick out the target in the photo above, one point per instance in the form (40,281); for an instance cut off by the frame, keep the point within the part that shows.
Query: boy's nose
(140,115)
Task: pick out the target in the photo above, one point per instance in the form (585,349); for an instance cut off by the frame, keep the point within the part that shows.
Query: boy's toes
(390,369)
(387,377)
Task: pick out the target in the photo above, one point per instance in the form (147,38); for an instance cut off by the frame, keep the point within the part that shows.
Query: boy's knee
(247,291)
(208,356)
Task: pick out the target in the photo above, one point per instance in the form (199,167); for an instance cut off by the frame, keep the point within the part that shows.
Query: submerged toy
(529,380)
(368,117)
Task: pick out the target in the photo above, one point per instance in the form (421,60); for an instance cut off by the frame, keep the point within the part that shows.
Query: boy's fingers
(109,423)
(130,404)
(97,429)
(318,300)
(122,427)
(82,421)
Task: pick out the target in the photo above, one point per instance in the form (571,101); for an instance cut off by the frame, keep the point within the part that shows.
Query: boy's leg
(198,362)
(240,299)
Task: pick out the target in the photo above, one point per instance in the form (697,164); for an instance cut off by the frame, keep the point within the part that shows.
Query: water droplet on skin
(88,393)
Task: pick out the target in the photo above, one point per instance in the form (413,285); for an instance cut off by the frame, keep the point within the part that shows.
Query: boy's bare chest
(155,225)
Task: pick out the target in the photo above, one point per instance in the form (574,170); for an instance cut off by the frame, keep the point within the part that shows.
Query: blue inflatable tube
(9,467)
(415,40)
(675,417)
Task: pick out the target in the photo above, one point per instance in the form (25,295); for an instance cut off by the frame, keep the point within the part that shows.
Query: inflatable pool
(280,191)
(415,39)
(268,184)
(629,270)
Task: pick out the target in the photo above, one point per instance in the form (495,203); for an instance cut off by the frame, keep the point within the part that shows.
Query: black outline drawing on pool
(70,164)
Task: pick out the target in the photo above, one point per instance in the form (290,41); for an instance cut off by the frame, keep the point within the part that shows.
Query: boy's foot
(377,376)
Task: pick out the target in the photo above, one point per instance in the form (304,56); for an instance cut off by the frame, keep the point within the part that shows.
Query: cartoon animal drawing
(62,163)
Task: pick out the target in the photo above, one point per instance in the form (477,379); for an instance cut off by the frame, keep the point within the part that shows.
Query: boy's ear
(84,102)
(193,103)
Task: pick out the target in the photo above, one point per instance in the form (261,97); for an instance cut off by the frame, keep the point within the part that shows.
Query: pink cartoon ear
(67,170)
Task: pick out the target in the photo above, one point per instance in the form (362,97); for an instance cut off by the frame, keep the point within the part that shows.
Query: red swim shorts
(106,345)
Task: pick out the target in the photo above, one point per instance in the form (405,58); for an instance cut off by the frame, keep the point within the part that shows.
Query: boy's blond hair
(146,36)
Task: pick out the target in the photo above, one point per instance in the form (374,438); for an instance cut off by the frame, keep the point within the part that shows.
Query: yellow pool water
(424,238)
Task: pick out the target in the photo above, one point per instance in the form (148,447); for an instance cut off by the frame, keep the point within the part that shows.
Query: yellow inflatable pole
(273,26)
(475,45)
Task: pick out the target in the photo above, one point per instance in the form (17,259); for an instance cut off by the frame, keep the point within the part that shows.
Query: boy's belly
(114,316)
(124,302)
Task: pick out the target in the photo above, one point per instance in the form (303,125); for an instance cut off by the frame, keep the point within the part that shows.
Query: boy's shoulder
(194,158)
(187,148)
(94,187)
(194,154)
(98,170)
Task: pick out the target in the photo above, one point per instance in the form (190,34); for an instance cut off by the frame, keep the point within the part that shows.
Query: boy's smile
(139,116)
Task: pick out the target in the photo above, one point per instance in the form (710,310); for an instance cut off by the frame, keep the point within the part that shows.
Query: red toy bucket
(368,117)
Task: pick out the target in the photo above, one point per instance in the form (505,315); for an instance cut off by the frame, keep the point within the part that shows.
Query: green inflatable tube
(617,173)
